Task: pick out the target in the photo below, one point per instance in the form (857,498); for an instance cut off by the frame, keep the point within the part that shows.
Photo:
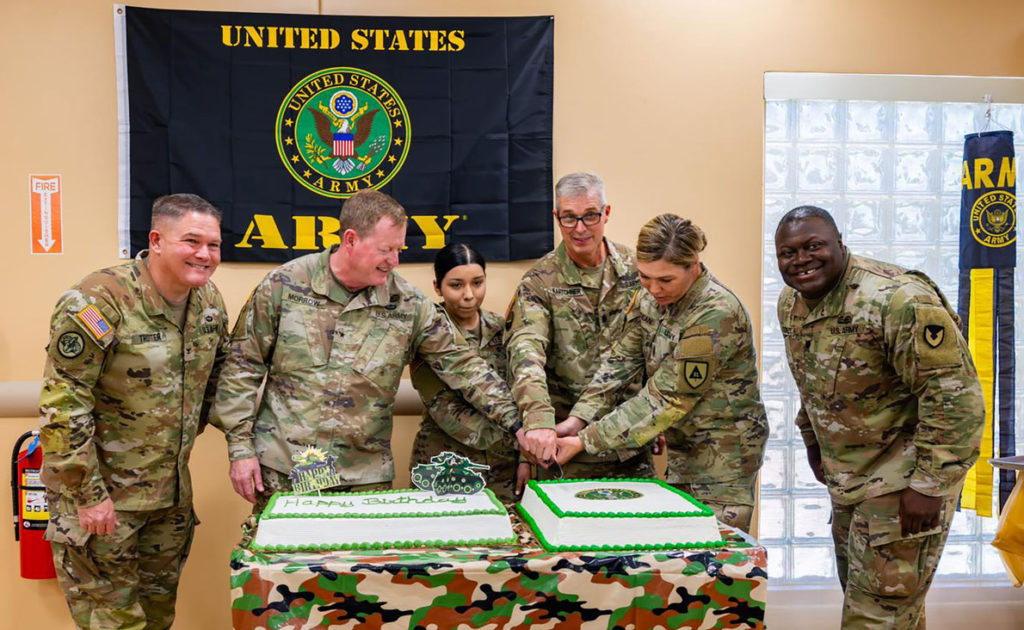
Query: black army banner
(276,119)
(988,255)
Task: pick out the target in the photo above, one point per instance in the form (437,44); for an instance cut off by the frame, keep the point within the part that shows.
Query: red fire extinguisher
(30,512)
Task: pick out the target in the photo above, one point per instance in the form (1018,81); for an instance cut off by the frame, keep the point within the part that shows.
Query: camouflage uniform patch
(102,592)
(885,574)
(891,397)
(714,421)
(124,396)
(556,337)
(333,362)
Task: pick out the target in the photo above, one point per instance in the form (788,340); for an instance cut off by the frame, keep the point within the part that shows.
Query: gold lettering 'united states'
(342,130)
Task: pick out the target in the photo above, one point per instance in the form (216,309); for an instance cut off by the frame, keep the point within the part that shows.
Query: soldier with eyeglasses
(567,311)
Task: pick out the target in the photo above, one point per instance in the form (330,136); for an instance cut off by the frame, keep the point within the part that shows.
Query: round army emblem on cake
(608,494)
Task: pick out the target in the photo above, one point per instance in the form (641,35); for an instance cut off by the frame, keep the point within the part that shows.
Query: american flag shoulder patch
(94,321)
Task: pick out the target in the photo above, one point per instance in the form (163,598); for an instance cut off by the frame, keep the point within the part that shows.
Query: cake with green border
(611,514)
(390,519)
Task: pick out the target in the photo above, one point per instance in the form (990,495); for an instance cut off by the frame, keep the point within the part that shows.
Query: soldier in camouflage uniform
(124,394)
(332,332)
(568,310)
(449,422)
(891,413)
(690,339)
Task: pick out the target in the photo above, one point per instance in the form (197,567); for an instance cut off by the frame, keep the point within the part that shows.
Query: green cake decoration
(448,473)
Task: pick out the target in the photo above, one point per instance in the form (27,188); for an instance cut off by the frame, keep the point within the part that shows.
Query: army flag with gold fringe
(988,255)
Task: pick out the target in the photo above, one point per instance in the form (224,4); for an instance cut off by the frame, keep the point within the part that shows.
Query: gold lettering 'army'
(994,214)
(342,130)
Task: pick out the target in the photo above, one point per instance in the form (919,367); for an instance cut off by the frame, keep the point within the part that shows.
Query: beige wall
(677,82)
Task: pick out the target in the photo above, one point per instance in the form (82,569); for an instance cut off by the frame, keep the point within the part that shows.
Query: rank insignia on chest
(695,373)
(934,335)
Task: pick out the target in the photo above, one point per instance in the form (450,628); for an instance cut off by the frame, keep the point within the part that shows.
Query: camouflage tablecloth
(501,587)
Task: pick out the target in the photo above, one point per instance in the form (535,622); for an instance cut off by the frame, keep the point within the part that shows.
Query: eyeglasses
(590,219)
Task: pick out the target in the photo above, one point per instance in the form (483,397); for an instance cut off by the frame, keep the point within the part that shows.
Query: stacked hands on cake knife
(605,356)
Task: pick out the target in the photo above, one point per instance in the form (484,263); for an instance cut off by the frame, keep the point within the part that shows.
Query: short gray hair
(576,185)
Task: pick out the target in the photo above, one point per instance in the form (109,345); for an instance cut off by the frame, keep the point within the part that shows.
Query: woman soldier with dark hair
(450,423)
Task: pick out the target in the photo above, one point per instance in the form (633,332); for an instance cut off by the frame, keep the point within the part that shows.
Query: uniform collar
(833,302)
(569,272)
(152,301)
(693,292)
(490,326)
(324,283)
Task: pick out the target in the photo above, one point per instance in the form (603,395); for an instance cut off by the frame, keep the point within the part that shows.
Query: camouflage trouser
(735,515)
(127,580)
(583,467)
(885,576)
(274,481)
(503,459)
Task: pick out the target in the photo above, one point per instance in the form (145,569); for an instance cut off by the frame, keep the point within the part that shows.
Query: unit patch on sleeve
(70,345)
(695,373)
(935,341)
(934,334)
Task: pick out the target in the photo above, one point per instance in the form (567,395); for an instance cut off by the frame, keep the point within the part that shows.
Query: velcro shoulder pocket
(696,342)
(935,338)
(695,359)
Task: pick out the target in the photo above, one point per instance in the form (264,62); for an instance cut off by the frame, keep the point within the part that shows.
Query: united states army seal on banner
(342,130)
(993,217)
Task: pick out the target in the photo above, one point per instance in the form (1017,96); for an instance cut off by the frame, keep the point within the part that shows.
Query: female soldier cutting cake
(690,338)
(450,423)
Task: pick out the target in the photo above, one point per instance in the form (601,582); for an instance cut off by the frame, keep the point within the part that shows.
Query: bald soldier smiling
(891,413)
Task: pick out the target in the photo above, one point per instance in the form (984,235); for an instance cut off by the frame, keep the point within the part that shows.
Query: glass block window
(890,174)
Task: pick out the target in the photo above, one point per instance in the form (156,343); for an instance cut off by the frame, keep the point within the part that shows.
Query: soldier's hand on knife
(568,447)
(540,443)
